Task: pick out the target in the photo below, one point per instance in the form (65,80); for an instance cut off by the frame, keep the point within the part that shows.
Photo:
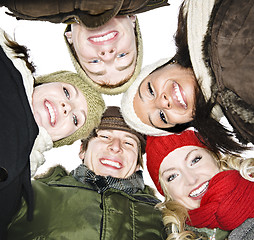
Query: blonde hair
(174,214)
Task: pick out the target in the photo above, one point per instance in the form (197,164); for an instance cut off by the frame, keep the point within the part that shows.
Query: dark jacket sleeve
(244,231)
(232,61)
(18,132)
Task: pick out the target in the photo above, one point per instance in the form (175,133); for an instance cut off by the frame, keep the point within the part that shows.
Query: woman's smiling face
(166,97)
(186,173)
(60,108)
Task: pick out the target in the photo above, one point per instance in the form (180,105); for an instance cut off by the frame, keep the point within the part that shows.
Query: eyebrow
(187,156)
(150,120)
(132,137)
(122,68)
(75,90)
(99,73)
(149,116)
(127,134)
(76,95)
(167,170)
(139,93)
(84,113)
(185,159)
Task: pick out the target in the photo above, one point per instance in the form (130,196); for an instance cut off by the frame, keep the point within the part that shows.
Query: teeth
(179,95)
(111,163)
(103,38)
(199,190)
(51,113)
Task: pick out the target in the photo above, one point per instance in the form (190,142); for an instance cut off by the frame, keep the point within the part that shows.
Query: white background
(49,53)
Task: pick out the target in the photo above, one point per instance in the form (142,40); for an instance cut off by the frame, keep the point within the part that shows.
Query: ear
(68,35)
(133,19)
(81,153)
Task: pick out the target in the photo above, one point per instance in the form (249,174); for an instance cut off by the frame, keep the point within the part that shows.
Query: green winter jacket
(68,209)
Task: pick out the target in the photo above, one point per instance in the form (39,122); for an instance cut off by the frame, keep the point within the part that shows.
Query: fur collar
(229,99)
(42,143)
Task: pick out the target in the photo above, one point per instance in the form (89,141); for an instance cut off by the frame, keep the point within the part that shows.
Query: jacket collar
(129,185)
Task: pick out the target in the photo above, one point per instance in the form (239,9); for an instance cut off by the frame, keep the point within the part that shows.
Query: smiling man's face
(108,53)
(112,153)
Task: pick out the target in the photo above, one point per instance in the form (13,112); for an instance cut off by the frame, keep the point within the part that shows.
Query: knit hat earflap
(103,89)
(95,103)
(158,148)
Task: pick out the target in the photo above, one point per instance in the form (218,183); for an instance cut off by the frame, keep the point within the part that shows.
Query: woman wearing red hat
(198,191)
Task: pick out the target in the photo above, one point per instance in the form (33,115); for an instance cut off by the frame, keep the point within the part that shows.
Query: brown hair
(214,134)
(21,51)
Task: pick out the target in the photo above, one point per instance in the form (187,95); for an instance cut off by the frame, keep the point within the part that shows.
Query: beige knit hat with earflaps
(107,90)
(95,103)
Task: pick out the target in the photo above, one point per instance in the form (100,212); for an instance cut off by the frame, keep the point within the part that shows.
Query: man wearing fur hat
(103,37)
(103,198)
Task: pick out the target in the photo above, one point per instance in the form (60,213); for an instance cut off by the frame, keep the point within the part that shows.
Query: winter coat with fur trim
(221,40)
(92,13)
(68,209)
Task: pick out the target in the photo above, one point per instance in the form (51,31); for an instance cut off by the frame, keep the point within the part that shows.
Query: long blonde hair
(174,214)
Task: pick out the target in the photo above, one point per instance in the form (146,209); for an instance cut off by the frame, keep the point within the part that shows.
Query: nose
(107,53)
(190,178)
(66,108)
(163,101)
(115,145)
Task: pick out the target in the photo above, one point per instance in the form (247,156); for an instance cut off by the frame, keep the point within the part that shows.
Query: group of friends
(170,111)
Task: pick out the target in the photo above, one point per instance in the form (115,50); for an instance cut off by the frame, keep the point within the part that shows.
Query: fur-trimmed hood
(224,71)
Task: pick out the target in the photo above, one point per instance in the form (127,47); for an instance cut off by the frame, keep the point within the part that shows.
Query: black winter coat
(17,134)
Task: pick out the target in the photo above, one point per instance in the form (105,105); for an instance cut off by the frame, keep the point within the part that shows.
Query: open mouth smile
(179,95)
(103,38)
(200,191)
(51,112)
(111,163)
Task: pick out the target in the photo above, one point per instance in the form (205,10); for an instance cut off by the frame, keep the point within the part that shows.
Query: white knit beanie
(127,107)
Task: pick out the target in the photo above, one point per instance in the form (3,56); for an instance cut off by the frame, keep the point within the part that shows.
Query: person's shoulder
(53,174)
(207,233)
(147,195)
(244,231)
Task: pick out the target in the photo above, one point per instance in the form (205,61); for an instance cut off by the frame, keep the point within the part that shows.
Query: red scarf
(228,202)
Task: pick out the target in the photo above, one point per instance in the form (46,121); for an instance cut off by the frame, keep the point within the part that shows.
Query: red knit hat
(157,148)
